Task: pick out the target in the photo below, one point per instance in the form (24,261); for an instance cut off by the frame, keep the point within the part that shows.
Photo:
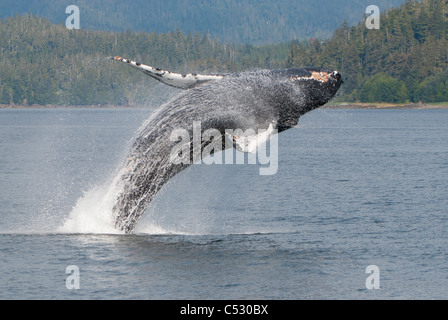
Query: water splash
(93,212)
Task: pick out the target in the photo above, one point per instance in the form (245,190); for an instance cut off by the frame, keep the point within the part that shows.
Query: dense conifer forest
(43,63)
(405,60)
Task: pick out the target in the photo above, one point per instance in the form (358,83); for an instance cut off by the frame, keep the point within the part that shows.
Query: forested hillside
(42,63)
(231,21)
(405,60)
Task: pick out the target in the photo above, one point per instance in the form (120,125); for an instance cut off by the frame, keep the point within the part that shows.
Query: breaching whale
(264,99)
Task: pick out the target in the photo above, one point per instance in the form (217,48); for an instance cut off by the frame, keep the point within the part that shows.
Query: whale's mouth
(318,75)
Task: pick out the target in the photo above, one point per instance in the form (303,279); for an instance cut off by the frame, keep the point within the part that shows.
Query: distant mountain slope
(43,63)
(405,60)
(231,21)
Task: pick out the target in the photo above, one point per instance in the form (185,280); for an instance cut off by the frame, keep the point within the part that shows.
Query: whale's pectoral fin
(249,141)
(177,80)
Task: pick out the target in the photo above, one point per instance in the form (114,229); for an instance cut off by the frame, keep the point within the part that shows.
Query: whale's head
(317,85)
(301,90)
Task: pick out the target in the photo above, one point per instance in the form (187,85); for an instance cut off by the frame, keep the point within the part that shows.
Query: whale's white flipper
(177,80)
(250,142)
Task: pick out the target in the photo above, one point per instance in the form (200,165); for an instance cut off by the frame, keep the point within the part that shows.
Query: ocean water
(354,188)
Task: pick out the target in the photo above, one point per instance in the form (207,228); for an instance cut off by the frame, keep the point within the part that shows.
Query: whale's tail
(177,80)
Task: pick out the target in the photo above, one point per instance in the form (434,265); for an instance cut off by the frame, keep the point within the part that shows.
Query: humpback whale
(257,100)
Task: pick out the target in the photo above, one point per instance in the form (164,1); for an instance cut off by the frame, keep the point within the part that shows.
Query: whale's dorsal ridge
(177,80)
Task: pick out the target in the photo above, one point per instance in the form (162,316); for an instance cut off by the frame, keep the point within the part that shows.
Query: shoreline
(342,105)
(385,105)
(54,106)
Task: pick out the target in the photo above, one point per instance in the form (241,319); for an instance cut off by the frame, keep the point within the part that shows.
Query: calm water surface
(354,188)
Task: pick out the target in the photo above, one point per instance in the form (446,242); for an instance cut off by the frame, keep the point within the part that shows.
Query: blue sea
(358,209)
